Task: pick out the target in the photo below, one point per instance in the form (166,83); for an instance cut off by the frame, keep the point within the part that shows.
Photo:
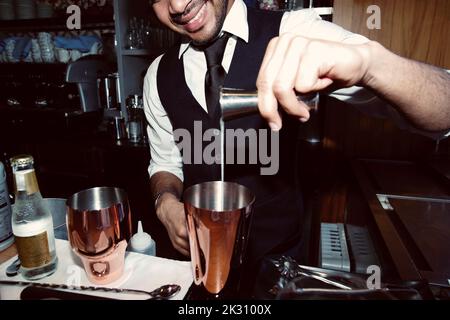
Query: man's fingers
(316,64)
(182,245)
(182,249)
(284,84)
(272,63)
(297,64)
(183,238)
(267,102)
(268,54)
(174,220)
(311,77)
(180,240)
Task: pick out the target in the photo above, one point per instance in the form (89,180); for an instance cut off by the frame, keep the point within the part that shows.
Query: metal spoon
(164,292)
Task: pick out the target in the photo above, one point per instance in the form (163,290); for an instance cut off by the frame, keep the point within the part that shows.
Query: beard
(204,37)
(220,15)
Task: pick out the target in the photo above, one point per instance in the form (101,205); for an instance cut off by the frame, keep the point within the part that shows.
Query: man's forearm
(166,182)
(421,92)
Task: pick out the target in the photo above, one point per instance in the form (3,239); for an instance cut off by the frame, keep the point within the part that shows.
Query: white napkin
(141,272)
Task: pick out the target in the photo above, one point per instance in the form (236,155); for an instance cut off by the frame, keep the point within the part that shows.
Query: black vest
(278,207)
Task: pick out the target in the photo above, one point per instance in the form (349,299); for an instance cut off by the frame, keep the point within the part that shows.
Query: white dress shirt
(165,155)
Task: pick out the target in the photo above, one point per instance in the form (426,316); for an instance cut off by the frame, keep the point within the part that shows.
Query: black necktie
(215,75)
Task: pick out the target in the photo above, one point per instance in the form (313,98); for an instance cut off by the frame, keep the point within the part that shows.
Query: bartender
(225,43)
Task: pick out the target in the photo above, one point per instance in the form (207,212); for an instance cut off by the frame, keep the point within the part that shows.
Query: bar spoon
(164,292)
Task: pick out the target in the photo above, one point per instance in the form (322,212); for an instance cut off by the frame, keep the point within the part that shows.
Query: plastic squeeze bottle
(142,242)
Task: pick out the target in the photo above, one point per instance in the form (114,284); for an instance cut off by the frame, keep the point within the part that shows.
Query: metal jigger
(236,103)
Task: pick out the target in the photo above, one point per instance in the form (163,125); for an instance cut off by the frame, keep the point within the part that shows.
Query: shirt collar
(235,24)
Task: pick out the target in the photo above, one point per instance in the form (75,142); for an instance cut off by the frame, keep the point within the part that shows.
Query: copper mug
(218,219)
(99,227)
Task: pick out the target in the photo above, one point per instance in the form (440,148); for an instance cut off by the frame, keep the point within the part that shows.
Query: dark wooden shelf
(153,52)
(138,52)
(55,24)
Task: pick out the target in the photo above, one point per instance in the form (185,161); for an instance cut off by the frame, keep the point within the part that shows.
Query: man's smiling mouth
(194,17)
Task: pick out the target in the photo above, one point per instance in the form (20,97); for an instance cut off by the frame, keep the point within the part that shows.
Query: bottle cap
(141,240)
(22,160)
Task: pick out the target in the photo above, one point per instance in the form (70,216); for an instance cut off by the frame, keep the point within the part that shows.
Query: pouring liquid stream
(222,157)
(222,150)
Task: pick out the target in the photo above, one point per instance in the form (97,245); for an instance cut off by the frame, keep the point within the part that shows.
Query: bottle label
(33,251)
(5,215)
(25,180)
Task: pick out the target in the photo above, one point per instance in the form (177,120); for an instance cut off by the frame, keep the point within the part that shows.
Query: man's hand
(297,64)
(171,213)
